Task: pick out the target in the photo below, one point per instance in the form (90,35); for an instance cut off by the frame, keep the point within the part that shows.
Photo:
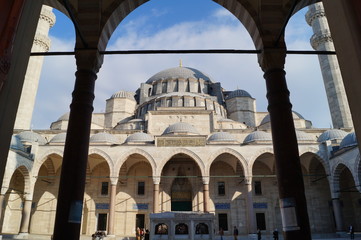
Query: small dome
(258,136)
(139,137)
(332,134)
(295,115)
(221,137)
(64,117)
(16,143)
(58,138)
(30,136)
(302,136)
(180,128)
(179,72)
(238,93)
(349,140)
(123,94)
(103,138)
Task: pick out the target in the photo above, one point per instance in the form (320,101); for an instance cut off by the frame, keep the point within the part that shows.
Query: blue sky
(181,24)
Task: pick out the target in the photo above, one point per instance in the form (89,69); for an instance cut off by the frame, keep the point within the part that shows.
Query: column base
(22,236)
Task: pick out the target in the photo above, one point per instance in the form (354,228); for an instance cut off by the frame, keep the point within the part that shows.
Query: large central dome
(179,72)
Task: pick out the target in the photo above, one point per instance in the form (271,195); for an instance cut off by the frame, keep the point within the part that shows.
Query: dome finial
(180,63)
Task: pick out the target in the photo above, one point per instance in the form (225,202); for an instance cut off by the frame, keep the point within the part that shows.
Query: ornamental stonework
(181,142)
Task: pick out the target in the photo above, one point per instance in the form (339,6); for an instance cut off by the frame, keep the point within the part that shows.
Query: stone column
(2,198)
(291,190)
(73,172)
(113,194)
(25,219)
(252,225)
(205,194)
(156,181)
(337,211)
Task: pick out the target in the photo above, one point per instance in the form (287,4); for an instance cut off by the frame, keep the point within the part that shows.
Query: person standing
(221,233)
(352,232)
(137,233)
(275,234)
(235,232)
(259,234)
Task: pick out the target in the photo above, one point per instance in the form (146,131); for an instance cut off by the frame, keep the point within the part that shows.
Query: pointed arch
(185,151)
(257,154)
(335,184)
(40,161)
(321,156)
(124,157)
(230,151)
(104,155)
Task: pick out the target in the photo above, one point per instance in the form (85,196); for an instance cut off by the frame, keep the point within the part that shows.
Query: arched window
(161,228)
(202,228)
(181,228)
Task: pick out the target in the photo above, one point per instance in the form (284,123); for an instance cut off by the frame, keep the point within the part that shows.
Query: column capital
(272,58)
(113,180)
(248,180)
(205,180)
(156,179)
(88,59)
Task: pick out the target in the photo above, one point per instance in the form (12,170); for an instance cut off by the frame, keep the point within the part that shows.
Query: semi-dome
(180,128)
(179,72)
(332,134)
(349,140)
(302,136)
(221,137)
(124,94)
(33,137)
(258,136)
(16,143)
(103,138)
(139,137)
(295,115)
(58,138)
(238,93)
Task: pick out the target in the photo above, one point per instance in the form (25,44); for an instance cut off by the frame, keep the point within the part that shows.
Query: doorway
(102,222)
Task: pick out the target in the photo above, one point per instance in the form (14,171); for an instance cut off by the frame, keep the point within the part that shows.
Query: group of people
(98,235)
(259,233)
(142,234)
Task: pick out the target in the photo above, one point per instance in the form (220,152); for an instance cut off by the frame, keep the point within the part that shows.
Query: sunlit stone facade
(172,146)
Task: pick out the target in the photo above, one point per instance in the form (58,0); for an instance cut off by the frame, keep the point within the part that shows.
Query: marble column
(156,181)
(113,194)
(252,225)
(205,194)
(73,172)
(25,219)
(291,189)
(337,211)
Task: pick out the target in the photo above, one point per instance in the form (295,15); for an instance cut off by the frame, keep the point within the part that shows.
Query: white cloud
(126,72)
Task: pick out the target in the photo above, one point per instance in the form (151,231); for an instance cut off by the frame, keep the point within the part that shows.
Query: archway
(14,199)
(45,195)
(134,195)
(350,198)
(318,194)
(265,193)
(226,192)
(181,184)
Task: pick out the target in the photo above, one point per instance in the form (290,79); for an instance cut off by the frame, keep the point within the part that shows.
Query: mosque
(182,143)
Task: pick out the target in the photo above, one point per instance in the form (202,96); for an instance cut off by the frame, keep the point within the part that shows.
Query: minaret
(321,40)
(41,44)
